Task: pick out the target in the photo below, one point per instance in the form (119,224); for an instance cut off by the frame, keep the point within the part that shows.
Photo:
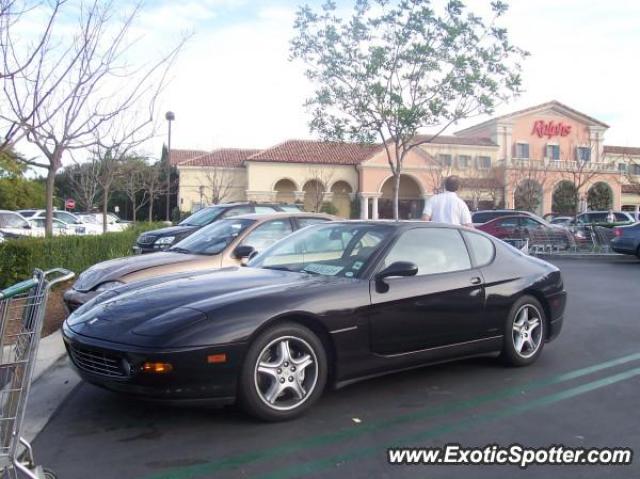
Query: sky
(234,86)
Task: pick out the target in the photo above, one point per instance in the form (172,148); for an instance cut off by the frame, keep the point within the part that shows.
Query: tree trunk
(51,183)
(151,206)
(105,206)
(133,206)
(396,195)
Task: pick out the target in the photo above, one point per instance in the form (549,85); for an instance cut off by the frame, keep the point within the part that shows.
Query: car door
(508,227)
(443,304)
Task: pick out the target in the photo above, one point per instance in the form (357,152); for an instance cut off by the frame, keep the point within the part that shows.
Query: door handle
(476,280)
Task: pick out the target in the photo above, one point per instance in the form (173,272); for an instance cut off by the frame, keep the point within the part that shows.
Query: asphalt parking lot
(582,392)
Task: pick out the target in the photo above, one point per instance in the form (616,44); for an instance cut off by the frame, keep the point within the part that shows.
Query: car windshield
(12,220)
(214,238)
(329,250)
(202,217)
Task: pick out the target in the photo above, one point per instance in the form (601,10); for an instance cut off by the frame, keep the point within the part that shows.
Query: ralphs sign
(550,129)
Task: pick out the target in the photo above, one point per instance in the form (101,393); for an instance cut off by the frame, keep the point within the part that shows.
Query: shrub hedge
(18,258)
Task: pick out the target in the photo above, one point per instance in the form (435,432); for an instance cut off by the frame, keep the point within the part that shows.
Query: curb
(52,381)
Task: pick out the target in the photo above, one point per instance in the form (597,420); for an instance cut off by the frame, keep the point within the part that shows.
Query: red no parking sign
(70,204)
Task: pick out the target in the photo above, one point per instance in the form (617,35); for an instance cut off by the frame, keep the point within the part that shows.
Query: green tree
(599,197)
(18,193)
(10,166)
(394,69)
(565,199)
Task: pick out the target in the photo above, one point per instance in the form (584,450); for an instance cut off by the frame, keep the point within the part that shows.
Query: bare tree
(154,185)
(580,170)
(83,180)
(80,86)
(216,185)
(528,178)
(484,183)
(440,166)
(132,183)
(319,179)
(14,61)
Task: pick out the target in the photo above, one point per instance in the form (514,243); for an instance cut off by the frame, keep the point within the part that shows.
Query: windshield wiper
(278,268)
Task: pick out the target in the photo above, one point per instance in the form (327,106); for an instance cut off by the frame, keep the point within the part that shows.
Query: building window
(635,169)
(553,152)
(583,153)
(445,160)
(522,150)
(464,161)
(484,162)
(622,167)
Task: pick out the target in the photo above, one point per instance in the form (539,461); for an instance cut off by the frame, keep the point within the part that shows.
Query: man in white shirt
(448,207)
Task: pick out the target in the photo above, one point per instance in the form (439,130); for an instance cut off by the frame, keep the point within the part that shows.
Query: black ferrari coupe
(332,303)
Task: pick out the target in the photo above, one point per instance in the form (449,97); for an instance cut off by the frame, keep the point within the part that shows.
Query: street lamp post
(169,116)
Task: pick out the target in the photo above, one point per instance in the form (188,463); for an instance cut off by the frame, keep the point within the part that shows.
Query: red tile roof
(178,156)
(318,152)
(223,157)
(621,150)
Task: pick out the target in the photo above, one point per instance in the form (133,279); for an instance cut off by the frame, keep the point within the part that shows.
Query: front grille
(98,362)
(146,239)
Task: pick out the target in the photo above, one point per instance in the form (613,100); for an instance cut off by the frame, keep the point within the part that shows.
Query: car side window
(268,233)
(621,217)
(482,248)
(508,223)
(264,210)
(238,210)
(302,222)
(433,250)
(530,223)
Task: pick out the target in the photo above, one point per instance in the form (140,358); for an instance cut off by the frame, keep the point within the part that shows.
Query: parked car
(337,302)
(81,227)
(484,216)
(600,218)
(114,224)
(519,227)
(14,225)
(161,239)
(223,243)
(626,239)
(60,228)
(563,220)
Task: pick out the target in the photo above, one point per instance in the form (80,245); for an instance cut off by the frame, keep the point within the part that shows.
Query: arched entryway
(410,200)
(341,198)
(285,191)
(600,197)
(313,195)
(565,198)
(528,196)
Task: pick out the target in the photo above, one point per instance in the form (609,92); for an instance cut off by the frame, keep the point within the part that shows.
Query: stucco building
(520,160)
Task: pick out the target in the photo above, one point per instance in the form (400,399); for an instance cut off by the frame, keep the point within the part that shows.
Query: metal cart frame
(22,311)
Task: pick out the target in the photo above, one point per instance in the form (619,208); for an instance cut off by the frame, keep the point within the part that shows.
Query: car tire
(284,373)
(524,333)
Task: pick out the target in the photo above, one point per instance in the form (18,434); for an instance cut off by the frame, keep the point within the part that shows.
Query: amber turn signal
(159,368)
(217,358)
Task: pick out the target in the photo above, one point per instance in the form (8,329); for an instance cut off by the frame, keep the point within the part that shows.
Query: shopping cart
(22,309)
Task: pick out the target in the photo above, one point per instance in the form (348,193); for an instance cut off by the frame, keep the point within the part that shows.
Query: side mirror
(399,268)
(243,251)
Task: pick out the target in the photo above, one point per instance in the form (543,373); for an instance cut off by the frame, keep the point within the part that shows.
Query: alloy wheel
(527,331)
(286,373)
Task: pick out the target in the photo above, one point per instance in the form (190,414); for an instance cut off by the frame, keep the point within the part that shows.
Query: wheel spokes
(519,343)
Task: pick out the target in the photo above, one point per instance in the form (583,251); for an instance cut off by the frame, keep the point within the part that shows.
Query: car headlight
(108,285)
(166,240)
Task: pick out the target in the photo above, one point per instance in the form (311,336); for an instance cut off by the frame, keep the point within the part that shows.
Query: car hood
(115,269)
(177,230)
(164,308)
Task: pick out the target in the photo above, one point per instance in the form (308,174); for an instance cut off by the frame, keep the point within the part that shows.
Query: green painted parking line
(199,470)
(312,467)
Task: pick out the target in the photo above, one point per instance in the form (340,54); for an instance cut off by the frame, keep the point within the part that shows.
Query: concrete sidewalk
(53,379)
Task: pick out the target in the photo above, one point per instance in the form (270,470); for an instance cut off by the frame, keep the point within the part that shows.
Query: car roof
(282,214)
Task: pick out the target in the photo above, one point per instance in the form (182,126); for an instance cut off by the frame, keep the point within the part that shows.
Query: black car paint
(187,317)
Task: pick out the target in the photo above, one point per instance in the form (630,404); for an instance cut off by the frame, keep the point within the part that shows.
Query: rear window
(485,216)
(482,248)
